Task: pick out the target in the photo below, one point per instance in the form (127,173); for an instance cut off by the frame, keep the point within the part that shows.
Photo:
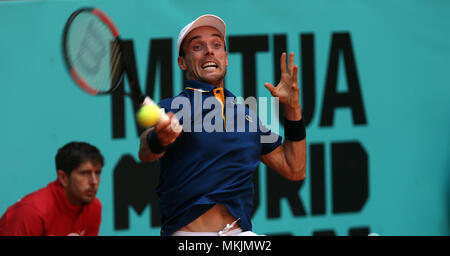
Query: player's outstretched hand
(287,89)
(168,129)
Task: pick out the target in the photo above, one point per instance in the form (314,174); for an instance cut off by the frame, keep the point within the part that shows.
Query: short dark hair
(181,53)
(71,155)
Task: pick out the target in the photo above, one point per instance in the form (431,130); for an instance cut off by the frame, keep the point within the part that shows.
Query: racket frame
(83,84)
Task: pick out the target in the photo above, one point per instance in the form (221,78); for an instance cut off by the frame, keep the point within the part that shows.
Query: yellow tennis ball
(148,115)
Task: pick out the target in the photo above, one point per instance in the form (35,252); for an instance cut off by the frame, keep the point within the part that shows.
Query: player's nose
(94,179)
(209,50)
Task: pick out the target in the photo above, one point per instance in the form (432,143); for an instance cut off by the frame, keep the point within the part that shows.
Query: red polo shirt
(47,212)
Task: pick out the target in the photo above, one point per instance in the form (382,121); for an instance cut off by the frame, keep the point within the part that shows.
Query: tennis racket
(93,55)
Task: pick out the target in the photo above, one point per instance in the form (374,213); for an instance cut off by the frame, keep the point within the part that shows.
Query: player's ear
(63,178)
(182,63)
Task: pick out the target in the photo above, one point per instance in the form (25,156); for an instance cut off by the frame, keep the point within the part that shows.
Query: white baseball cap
(204,20)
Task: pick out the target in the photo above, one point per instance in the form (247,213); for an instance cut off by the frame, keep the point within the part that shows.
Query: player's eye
(197,47)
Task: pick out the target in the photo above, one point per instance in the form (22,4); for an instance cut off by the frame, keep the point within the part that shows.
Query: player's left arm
(24,220)
(288,159)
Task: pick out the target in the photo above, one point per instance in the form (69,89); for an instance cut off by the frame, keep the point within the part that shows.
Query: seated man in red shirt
(66,206)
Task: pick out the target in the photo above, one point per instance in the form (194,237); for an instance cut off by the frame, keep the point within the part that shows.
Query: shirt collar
(205,87)
(57,187)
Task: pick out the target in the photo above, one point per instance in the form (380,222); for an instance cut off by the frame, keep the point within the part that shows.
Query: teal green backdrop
(375,87)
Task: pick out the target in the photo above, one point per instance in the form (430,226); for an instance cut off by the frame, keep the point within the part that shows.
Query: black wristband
(154,144)
(294,130)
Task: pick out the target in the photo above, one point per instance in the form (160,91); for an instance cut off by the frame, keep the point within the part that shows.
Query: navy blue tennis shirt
(204,167)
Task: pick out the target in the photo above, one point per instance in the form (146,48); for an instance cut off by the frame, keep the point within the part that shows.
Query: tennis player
(65,207)
(205,186)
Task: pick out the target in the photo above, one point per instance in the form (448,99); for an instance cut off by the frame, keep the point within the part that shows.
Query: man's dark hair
(181,53)
(71,155)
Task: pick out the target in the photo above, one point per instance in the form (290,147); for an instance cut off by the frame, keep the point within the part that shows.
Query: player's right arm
(166,135)
(22,221)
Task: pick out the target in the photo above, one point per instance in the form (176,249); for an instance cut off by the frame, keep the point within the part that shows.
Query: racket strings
(116,61)
(94,52)
(115,67)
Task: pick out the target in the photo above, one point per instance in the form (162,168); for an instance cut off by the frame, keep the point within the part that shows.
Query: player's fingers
(147,101)
(166,136)
(295,79)
(175,125)
(163,116)
(163,123)
(283,63)
(270,87)
(170,132)
(291,63)
(170,118)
